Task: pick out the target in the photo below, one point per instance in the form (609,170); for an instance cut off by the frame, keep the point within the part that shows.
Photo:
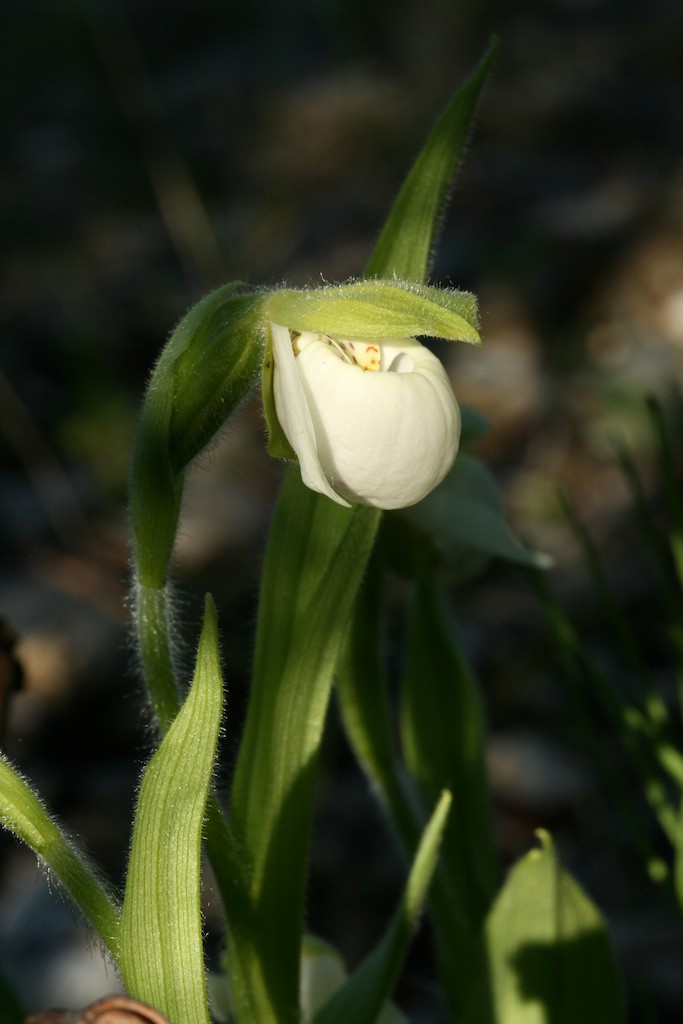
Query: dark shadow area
(573,980)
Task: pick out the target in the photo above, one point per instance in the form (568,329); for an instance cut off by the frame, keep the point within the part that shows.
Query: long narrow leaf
(407,239)
(22,813)
(361,998)
(443,733)
(161,928)
(314,563)
(364,705)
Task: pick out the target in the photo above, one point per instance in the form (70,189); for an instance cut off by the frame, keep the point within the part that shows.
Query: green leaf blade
(362,997)
(549,952)
(464,522)
(23,814)
(408,237)
(161,929)
(444,735)
(315,560)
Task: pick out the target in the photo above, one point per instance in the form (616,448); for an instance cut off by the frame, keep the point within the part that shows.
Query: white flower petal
(384,438)
(294,414)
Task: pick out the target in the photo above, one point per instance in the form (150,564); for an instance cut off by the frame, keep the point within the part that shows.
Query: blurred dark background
(150,152)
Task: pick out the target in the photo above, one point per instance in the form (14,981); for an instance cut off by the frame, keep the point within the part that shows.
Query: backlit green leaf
(315,560)
(549,952)
(162,959)
(407,240)
(22,813)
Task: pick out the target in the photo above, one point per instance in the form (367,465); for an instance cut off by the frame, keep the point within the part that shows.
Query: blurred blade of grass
(674,493)
(589,687)
(678,859)
(655,708)
(177,195)
(672,483)
(659,556)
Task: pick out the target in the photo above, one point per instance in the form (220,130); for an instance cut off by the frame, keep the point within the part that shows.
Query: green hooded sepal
(378,310)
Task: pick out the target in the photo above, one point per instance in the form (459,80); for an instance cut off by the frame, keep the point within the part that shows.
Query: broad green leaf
(461,523)
(407,240)
(22,813)
(549,952)
(443,736)
(315,560)
(162,959)
(363,996)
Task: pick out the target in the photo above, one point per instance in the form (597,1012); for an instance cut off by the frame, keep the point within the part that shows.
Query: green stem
(153,624)
(23,814)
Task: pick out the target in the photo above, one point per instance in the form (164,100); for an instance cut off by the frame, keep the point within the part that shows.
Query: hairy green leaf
(407,240)
(161,929)
(22,813)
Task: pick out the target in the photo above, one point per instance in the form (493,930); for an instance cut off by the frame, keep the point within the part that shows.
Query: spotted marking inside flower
(358,353)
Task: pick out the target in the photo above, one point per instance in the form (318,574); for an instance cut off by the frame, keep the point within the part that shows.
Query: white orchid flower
(368,411)
(372,421)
